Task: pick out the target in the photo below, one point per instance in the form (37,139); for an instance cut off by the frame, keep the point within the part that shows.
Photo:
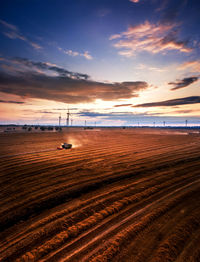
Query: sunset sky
(113,62)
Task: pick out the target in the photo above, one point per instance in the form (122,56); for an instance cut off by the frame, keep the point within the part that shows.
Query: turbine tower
(59,121)
(67,119)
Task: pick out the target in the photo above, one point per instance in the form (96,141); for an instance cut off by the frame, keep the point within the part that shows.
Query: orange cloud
(149,37)
(134,1)
(85,54)
(123,105)
(193,66)
(63,85)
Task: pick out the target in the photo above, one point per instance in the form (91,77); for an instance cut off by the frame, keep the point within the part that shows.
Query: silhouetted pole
(164,123)
(71,122)
(186,122)
(85,122)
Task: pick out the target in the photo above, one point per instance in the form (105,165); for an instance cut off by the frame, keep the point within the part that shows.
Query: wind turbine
(59,120)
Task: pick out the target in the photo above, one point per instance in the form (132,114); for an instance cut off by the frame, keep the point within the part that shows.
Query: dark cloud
(67,87)
(186,111)
(171,10)
(163,5)
(173,102)
(46,112)
(110,116)
(62,109)
(123,105)
(170,14)
(133,119)
(94,114)
(51,67)
(183,83)
(11,102)
(172,38)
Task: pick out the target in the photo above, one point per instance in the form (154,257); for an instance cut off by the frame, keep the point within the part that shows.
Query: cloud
(184,82)
(111,115)
(64,109)
(14,33)
(123,105)
(188,111)
(34,45)
(193,66)
(46,112)
(150,68)
(162,6)
(9,26)
(171,10)
(133,119)
(65,86)
(87,55)
(173,102)
(153,38)
(11,102)
(134,1)
(46,66)
(69,52)
(170,14)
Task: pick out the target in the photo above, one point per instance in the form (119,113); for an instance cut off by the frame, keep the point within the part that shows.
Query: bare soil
(117,195)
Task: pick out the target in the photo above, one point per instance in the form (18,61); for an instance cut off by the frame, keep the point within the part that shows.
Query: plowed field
(117,195)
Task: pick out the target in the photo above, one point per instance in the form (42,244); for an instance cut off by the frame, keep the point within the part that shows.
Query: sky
(113,62)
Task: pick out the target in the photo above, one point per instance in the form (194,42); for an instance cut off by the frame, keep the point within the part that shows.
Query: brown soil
(117,195)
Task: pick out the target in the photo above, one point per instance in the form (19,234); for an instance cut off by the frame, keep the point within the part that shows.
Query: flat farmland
(117,195)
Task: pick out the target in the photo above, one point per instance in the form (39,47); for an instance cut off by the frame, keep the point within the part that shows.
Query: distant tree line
(42,128)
